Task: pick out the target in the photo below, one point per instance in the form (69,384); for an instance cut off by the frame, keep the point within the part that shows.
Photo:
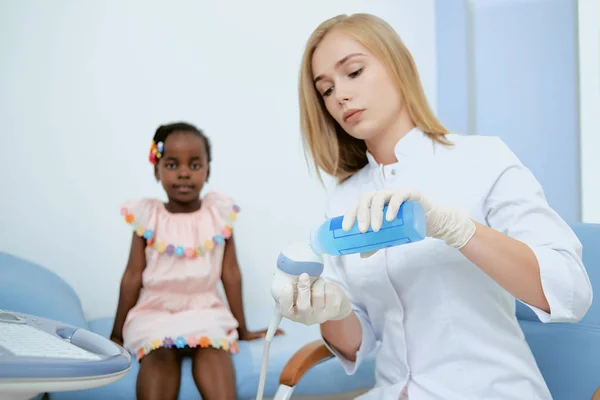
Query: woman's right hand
(312,303)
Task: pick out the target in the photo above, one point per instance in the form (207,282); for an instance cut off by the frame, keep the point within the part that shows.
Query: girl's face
(183,167)
(355,86)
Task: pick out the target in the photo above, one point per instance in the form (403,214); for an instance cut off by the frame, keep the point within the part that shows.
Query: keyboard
(28,341)
(21,339)
(41,355)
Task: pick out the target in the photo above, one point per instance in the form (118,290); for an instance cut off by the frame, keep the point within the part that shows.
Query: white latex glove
(450,225)
(309,304)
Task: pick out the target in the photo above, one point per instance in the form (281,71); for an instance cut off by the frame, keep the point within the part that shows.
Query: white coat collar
(414,144)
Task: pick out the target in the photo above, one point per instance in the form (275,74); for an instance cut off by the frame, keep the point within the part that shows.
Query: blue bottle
(408,227)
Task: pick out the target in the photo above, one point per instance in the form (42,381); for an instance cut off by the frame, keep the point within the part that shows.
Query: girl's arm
(131,283)
(232,284)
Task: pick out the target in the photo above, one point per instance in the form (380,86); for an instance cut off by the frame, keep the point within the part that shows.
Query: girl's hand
(450,225)
(257,334)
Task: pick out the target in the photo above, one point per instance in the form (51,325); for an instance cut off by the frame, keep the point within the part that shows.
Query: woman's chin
(362,131)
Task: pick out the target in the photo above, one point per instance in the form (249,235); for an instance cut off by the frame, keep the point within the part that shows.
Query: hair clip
(156,151)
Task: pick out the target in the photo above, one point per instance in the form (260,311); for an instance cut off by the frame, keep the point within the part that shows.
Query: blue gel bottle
(408,227)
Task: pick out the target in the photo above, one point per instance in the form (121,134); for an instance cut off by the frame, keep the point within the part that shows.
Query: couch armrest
(304,359)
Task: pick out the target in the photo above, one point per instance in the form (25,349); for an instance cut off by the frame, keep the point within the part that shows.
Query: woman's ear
(207,174)
(156,174)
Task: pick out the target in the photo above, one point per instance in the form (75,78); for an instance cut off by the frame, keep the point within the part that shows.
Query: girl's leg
(214,374)
(159,376)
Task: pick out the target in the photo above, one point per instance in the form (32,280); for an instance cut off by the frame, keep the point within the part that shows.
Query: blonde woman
(443,309)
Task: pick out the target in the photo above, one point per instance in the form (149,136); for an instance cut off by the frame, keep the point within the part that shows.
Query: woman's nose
(343,95)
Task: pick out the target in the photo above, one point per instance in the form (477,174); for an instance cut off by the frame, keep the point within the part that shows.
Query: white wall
(589,103)
(83,86)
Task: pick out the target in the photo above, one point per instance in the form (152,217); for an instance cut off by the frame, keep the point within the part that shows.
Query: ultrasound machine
(38,355)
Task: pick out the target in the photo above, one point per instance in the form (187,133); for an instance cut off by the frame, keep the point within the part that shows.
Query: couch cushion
(567,355)
(247,365)
(32,289)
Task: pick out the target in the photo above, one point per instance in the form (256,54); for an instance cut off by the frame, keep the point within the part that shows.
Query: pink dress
(179,305)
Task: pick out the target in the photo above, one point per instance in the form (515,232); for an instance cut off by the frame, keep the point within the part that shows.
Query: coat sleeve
(516,206)
(334,272)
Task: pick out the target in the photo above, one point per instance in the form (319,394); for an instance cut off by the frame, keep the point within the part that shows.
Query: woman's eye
(196,166)
(170,165)
(356,73)
(328,92)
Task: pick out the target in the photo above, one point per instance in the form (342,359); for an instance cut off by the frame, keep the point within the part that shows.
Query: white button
(393,172)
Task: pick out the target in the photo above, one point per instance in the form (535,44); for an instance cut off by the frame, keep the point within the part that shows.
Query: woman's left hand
(454,227)
(257,334)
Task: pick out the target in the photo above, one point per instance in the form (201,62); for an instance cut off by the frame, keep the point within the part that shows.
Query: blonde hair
(333,150)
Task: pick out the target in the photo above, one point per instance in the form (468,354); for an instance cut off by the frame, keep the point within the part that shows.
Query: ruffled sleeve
(141,215)
(225,212)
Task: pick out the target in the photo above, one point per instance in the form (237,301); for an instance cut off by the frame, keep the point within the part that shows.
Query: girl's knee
(159,375)
(161,358)
(211,354)
(216,360)
(214,374)
(163,354)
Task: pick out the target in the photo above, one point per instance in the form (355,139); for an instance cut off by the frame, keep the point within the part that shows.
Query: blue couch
(32,289)
(568,354)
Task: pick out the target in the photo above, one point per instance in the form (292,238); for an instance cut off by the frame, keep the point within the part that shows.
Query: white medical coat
(444,329)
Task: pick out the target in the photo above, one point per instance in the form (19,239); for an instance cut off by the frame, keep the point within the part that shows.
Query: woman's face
(356,88)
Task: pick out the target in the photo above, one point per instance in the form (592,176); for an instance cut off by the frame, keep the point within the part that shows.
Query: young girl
(169,305)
